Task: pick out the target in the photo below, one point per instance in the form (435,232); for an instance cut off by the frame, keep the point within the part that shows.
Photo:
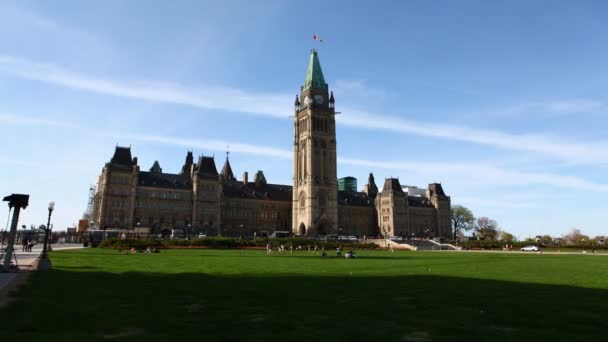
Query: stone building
(201,199)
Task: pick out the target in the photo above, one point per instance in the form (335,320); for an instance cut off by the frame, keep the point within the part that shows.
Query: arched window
(302,200)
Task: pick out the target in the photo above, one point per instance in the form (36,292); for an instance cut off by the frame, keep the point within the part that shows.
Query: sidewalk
(25,261)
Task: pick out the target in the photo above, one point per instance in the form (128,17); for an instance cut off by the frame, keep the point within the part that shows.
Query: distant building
(83,226)
(201,199)
(348,184)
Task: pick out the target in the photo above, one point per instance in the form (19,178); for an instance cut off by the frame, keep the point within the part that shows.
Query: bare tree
(486,228)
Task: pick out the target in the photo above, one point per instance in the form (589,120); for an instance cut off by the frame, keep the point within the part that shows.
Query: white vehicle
(530,248)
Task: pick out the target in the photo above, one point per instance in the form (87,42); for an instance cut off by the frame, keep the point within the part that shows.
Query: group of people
(281,249)
(147,250)
(27,245)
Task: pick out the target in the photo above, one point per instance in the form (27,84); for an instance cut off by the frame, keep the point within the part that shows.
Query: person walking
(268,248)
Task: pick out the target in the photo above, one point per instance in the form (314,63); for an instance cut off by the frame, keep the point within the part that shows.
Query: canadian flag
(315,37)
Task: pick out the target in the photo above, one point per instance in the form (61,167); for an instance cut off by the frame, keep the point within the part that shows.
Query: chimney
(245,179)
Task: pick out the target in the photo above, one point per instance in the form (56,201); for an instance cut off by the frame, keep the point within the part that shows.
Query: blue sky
(503,103)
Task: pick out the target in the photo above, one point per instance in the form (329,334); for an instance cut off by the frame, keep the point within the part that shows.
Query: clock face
(307,100)
(318,99)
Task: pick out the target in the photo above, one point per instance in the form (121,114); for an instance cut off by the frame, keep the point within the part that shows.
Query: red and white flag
(315,37)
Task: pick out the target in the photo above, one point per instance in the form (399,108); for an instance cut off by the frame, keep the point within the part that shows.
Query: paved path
(25,260)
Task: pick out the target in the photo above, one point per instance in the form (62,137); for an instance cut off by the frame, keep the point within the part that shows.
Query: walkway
(25,261)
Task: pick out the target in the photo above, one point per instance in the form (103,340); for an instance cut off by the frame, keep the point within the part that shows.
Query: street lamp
(48,227)
(189,230)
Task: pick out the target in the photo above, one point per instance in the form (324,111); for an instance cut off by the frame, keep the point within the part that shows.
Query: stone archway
(302,229)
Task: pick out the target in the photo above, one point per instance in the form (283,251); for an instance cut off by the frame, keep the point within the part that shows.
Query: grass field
(244,295)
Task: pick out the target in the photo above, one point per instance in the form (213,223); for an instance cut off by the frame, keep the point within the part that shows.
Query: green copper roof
(314,74)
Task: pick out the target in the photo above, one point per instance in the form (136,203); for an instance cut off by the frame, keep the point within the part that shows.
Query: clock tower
(315,191)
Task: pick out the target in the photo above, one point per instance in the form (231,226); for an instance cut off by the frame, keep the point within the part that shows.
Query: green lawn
(244,295)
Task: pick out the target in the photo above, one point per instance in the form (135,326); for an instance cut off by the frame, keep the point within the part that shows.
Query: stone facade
(201,199)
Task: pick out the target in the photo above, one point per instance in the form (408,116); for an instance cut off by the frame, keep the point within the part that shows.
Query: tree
(486,228)
(462,220)
(506,237)
(575,237)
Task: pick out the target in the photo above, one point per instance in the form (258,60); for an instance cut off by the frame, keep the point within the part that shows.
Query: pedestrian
(30,245)
(339,251)
(24,245)
(268,248)
(308,248)
(291,248)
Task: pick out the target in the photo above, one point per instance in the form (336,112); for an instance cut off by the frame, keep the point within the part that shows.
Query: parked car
(530,248)
(347,238)
(202,235)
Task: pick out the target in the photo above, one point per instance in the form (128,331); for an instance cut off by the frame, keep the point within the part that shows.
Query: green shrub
(229,242)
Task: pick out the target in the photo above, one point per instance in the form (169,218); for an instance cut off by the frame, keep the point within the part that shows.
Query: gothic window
(302,200)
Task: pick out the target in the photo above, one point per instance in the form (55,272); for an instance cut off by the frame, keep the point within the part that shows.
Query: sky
(503,103)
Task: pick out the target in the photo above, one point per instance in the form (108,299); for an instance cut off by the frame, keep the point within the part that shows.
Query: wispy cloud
(205,97)
(27,120)
(481,173)
(477,172)
(215,145)
(593,152)
(278,105)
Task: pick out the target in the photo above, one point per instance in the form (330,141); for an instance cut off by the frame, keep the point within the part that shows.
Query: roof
(164,180)
(314,75)
(122,157)
(227,171)
(156,167)
(206,167)
(273,192)
(414,201)
(392,184)
(436,189)
(355,198)
(188,163)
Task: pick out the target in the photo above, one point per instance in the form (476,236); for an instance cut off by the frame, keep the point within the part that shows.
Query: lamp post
(48,227)
(189,230)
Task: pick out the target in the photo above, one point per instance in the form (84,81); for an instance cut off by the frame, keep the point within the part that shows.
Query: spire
(297,103)
(188,163)
(331,98)
(156,167)
(227,169)
(314,75)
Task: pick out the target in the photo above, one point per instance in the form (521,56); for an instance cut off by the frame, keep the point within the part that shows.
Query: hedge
(227,242)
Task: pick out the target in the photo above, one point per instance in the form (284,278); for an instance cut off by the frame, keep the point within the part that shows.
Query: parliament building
(201,199)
